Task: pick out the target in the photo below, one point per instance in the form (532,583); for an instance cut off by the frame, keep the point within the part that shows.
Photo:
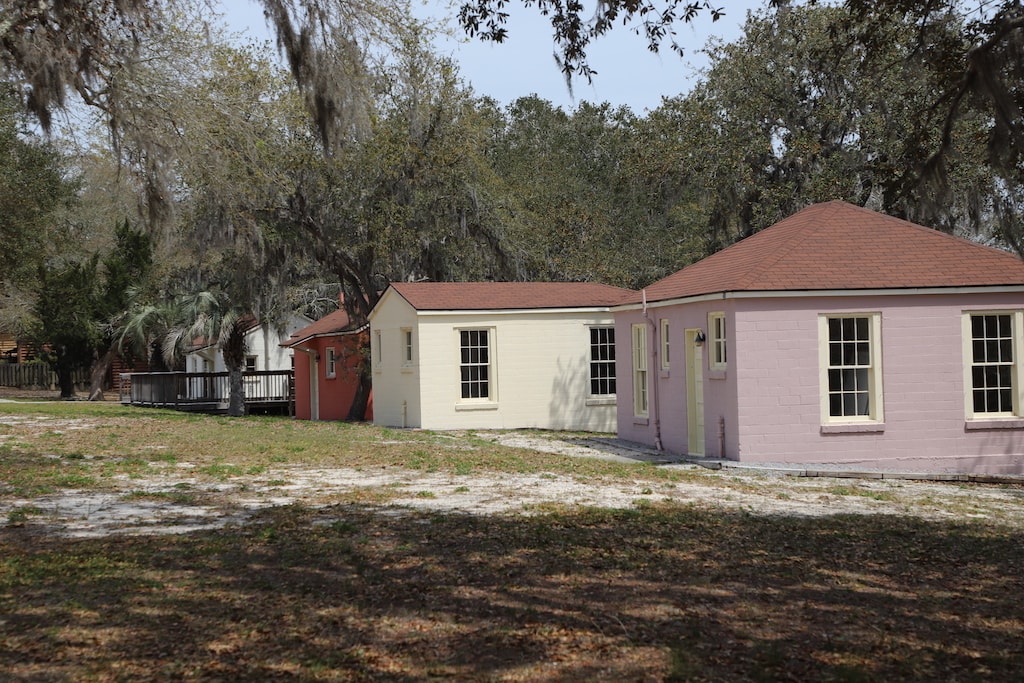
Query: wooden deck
(208,392)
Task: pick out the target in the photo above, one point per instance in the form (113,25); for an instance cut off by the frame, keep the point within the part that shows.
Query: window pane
(979,402)
(992,351)
(1005,400)
(835,354)
(992,401)
(835,330)
(863,353)
(835,405)
(1006,350)
(978,351)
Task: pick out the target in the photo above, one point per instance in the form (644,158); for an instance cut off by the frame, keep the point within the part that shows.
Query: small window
(640,407)
(332,360)
(851,361)
(602,361)
(377,353)
(407,347)
(719,346)
(994,361)
(250,363)
(666,355)
(475,364)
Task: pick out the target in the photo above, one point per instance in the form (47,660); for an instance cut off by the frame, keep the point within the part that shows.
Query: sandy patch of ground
(171,501)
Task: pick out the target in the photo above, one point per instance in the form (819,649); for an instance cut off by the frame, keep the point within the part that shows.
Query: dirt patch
(169,500)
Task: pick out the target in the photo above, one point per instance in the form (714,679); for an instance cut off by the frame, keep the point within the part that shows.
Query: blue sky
(628,74)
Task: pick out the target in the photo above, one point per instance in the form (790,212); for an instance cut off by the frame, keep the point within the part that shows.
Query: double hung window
(602,361)
(719,356)
(332,363)
(666,348)
(640,404)
(994,363)
(407,351)
(852,368)
(475,375)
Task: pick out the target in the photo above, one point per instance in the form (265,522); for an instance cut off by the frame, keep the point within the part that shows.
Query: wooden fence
(37,376)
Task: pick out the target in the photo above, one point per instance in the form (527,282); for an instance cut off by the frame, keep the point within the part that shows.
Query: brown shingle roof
(834,246)
(475,296)
(333,323)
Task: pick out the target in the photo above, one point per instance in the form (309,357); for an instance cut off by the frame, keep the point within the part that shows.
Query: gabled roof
(839,246)
(487,296)
(335,323)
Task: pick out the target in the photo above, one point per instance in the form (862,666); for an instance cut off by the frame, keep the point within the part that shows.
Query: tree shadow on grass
(659,593)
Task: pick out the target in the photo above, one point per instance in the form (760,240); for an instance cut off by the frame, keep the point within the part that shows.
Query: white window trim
(641,376)
(592,398)
(1017,323)
(877,416)
(331,364)
(715,342)
(666,345)
(408,349)
(492,370)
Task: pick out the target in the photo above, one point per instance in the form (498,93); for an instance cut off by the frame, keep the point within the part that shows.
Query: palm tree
(177,325)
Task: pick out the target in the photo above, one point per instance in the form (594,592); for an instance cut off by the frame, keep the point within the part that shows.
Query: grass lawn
(351,591)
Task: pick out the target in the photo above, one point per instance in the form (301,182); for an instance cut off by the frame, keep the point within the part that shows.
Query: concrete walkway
(642,453)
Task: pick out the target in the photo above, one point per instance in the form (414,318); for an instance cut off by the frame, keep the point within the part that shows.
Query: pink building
(838,335)
(328,357)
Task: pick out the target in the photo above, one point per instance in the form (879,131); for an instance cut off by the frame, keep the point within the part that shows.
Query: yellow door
(694,394)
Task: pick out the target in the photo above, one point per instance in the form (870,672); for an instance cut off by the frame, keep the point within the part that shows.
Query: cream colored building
(495,355)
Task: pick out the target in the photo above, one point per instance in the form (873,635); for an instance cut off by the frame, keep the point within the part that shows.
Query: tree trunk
(98,374)
(236,397)
(65,380)
(234,357)
(357,413)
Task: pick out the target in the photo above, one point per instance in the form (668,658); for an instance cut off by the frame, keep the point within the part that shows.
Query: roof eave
(809,293)
(318,335)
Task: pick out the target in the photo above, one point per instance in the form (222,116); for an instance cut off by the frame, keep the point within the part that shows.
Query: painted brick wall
(541,372)
(923,386)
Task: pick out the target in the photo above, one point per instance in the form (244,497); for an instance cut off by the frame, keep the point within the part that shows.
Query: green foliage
(795,112)
(588,205)
(127,268)
(67,314)
(34,187)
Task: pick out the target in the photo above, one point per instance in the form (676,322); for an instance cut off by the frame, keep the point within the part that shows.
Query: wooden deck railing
(204,391)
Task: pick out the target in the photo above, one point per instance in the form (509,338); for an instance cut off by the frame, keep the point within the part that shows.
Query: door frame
(695,436)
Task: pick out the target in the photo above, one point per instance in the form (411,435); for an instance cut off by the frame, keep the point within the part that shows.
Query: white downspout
(652,371)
